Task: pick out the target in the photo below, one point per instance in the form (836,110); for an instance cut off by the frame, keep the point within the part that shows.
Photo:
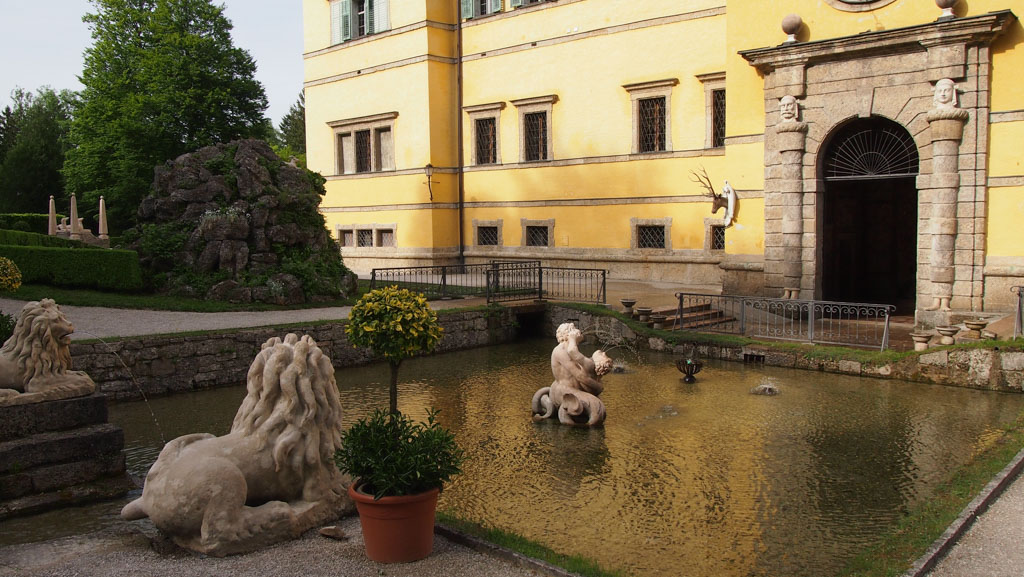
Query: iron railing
(825,322)
(551,283)
(444,281)
(1018,319)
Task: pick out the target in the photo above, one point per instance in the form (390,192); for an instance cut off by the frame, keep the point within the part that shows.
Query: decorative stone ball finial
(947,8)
(788,108)
(791,25)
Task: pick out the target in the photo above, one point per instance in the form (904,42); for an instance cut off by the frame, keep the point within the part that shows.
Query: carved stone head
(788,108)
(945,94)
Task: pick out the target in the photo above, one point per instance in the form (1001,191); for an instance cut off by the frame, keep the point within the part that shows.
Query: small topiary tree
(10,280)
(395,324)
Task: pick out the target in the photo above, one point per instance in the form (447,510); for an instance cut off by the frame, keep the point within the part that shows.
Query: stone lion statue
(35,363)
(574,393)
(272,477)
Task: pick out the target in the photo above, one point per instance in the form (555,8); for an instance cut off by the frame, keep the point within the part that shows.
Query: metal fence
(826,322)
(499,281)
(551,283)
(1018,319)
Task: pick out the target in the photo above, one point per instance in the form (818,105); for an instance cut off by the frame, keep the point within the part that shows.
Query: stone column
(947,128)
(791,139)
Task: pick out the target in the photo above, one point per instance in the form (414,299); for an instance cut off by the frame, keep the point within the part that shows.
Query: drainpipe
(458,115)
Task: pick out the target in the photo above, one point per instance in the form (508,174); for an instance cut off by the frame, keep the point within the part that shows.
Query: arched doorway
(869,214)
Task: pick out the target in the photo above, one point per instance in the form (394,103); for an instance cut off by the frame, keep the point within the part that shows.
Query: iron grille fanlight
(876,152)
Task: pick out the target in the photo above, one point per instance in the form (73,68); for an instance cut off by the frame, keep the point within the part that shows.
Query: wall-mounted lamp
(429,171)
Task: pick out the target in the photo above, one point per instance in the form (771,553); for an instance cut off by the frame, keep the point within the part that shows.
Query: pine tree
(32,146)
(293,126)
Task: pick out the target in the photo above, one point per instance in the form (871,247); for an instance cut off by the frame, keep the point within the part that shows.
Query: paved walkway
(986,547)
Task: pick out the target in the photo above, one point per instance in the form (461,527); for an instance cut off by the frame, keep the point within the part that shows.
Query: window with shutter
(357,18)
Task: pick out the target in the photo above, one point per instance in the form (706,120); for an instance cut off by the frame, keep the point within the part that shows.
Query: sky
(42,42)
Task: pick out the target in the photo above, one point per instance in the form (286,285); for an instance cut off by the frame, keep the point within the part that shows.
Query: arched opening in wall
(869,214)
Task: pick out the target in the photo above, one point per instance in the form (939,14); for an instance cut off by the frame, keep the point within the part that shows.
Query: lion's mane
(33,346)
(288,405)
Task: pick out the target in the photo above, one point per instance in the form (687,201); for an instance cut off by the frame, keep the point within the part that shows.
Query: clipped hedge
(36,222)
(72,267)
(19,238)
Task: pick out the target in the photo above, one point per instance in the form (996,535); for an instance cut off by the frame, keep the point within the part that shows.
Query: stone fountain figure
(574,393)
(35,363)
(272,477)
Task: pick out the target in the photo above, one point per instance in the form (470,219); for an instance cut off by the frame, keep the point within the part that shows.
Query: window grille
(365,237)
(718,118)
(481,6)
(536,236)
(486,141)
(360,10)
(347,238)
(650,237)
(536,135)
(488,236)
(363,158)
(651,124)
(717,238)
(386,237)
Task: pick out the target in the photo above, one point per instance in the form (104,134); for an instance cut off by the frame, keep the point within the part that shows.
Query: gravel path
(130,550)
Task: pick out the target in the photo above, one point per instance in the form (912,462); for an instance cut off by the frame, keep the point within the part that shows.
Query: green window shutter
(495,6)
(467,8)
(336,18)
(380,16)
(516,3)
(346,19)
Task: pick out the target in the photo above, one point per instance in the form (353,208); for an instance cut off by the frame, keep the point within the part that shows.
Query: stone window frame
(482,111)
(376,230)
(528,106)
(376,124)
(712,81)
(549,223)
(499,224)
(634,223)
(653,89)
(709,223)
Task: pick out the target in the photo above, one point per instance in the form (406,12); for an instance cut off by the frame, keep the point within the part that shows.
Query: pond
(683,479)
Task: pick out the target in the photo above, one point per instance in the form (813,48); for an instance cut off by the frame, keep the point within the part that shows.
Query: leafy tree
(395,324)
(162,78)
(293,126)
(33,140)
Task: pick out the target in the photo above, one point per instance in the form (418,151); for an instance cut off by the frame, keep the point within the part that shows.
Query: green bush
(7,323)
(38,223)
(35,239)
(71,267)
(10,276)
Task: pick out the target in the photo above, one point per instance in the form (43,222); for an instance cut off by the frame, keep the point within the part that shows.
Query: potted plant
(398,465)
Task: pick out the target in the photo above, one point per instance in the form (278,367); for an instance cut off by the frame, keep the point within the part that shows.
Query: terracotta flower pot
(396,529)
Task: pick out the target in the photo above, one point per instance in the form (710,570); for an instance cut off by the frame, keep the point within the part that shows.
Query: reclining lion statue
(35,363)
(272,477)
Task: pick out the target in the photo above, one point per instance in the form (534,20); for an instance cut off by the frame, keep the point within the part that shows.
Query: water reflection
(683,479)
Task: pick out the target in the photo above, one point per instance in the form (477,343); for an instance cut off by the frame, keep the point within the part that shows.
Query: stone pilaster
(947,128)
(790,142)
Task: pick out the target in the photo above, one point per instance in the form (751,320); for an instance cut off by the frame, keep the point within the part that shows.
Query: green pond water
(699,479)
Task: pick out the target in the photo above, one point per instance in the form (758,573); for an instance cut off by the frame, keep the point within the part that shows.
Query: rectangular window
(651,124)
(473,8)
(385,157)
(536,236)
(357,18)
(486,141)
(536,127)
(718,118)
(385,237)
(650,237)
(348,238)
(717,238)
(364,237)
(487,236)
(363,155)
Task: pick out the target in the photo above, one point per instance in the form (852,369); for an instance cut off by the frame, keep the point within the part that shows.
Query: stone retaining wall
(158,365)
(990,369)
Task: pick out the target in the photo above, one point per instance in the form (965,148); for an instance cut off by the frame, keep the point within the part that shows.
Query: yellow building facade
(577,132)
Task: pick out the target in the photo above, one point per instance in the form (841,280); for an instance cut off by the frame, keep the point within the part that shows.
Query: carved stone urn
(975,327)
(627,306)
(921,340)
(643,313)
(947,334)
(658,321)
